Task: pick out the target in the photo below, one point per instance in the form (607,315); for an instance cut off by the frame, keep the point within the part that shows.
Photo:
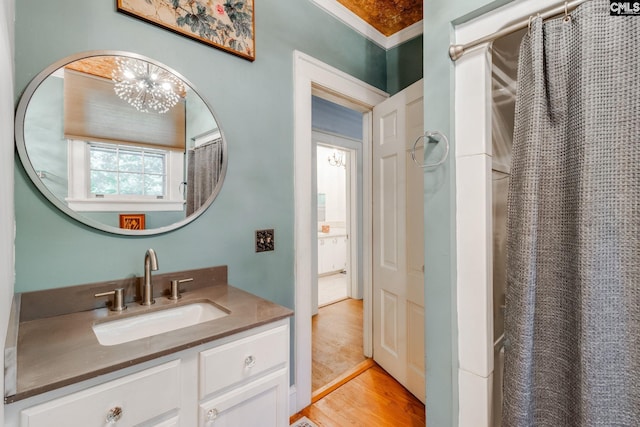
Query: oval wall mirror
(120,142)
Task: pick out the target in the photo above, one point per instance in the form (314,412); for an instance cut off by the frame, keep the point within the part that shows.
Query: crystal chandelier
(337,158)
(147,87)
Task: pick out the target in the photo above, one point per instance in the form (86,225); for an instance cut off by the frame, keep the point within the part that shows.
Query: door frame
(474,229)
(312,76)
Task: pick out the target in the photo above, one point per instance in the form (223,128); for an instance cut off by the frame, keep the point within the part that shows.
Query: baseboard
(293,402)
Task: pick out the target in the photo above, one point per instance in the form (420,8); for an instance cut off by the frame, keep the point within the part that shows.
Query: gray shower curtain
(572,323)
(204,164)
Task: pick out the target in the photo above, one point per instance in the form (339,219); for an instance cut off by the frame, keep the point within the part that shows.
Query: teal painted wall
(253,102)
(439,209)
(336,119)
(404,65)
(47,148)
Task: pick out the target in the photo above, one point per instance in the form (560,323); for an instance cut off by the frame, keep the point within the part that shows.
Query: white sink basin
(155,322)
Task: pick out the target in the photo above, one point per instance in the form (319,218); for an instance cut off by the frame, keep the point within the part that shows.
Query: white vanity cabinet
(241,380)
(332,253)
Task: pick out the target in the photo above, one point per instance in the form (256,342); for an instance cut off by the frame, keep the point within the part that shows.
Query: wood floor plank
(349,389)
(337,341)
(372,399)
(341,380)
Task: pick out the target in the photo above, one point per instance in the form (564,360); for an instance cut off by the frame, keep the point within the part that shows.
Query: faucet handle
(174,293)
(118,299)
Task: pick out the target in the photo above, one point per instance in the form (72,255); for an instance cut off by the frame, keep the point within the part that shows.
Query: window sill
(115,205)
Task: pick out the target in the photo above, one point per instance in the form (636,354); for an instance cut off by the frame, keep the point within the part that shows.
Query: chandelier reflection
(145,86)
(337,158)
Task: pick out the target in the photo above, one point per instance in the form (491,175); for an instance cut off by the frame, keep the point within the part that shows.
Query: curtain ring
(567,17)
(531,18)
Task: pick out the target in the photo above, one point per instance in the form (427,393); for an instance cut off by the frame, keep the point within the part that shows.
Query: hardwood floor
(337,341)
(349,389)
(372,399)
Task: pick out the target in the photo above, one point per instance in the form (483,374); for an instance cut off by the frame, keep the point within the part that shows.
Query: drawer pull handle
(250,362)
(212,414)
(114,414)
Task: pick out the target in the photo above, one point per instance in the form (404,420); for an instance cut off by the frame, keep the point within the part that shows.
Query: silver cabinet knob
(250,362)
(114,414)
(212,414)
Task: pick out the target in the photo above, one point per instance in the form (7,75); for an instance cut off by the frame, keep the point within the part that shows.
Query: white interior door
(398,240)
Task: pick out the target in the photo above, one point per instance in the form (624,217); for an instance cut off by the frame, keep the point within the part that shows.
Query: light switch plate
(265,240)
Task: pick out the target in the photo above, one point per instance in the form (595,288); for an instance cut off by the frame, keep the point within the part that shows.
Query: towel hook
(431,136)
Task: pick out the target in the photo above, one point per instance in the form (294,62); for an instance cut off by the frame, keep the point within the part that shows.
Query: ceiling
(386,16)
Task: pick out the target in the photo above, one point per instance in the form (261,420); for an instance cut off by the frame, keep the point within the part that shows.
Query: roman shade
(93,112)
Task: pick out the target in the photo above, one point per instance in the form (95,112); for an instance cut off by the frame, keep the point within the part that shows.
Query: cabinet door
(324,254)
(333,264)
(341,253)
(128,401)
(336,253)
(260,403)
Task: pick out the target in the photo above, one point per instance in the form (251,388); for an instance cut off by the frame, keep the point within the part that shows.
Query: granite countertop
(56,351)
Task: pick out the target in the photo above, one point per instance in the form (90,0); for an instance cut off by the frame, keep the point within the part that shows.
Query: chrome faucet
(150,264)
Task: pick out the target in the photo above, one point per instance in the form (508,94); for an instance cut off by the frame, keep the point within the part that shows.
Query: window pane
(103,159)
(131,183)
(130,161)
(154,163)
(154,185)
(104,182)
(126,170)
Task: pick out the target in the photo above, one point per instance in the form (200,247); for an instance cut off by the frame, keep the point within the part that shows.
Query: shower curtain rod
(457,50)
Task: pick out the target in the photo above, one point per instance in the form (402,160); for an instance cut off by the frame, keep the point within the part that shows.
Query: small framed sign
(132,221)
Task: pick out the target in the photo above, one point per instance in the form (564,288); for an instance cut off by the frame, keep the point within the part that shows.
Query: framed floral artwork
(225,24)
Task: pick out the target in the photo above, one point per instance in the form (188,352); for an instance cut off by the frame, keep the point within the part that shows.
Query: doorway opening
(337,299)
(313,77)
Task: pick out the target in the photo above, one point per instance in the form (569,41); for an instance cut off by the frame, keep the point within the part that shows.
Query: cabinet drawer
(230,363)
(259,403)
(140,397)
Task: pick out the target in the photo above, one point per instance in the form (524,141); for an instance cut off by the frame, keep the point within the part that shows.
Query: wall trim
(474,228)
(349,18)
(309,76)
(7,199)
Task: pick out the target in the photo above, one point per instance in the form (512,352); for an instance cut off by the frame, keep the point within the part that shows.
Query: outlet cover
(265,240)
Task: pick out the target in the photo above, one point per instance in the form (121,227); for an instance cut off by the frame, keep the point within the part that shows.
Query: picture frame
(132,221)
(223,24)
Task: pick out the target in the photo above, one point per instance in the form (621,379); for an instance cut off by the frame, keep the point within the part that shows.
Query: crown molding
(349,18)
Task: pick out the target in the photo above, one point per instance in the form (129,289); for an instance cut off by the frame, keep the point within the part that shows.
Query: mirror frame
(21,110)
